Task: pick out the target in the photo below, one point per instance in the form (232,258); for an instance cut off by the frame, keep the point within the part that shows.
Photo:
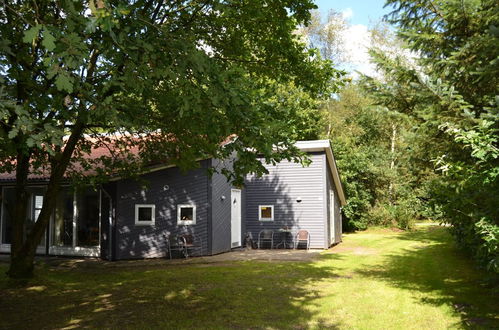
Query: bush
(400,216)
(488,249)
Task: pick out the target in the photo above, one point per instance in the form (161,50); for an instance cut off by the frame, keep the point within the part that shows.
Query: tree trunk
(22,261)
(23,254)
(18,268)
(392,162)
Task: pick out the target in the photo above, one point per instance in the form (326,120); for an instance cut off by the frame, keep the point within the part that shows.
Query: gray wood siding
(166,189)
(329,187)
(220,210)
(285,182)
(338,221)
(337,211)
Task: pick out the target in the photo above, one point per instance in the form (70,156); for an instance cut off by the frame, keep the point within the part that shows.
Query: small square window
(144,214)
(266,212)
(186,214)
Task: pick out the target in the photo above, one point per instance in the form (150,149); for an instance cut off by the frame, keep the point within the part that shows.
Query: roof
(325,145)
(102,148)
(105,151)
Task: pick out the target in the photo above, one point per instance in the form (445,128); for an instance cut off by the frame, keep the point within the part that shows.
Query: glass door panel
(62,234)
(8,201)
(88,218)
(35,204)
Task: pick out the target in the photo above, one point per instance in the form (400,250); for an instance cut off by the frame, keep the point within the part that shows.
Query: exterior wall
(335,209)
(220,210)
(286,182)
(166,189)
(329,186)
(338,221)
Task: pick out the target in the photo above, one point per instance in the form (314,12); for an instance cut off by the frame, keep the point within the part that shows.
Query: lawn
(375,279)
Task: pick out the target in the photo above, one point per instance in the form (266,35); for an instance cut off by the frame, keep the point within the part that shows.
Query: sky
(361,14)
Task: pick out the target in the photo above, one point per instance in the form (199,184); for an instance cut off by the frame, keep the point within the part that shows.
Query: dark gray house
(298,197)
(125,219)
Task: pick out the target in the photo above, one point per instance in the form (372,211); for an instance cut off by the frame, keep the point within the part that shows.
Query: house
(125,219)
(298,197)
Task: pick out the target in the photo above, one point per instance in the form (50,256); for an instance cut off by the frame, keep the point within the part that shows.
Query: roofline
(325,145)
(306,146)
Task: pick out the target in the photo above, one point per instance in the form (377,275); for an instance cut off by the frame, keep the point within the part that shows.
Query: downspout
(110,225)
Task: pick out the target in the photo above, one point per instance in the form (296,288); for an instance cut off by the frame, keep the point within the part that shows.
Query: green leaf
(64,82)
(13,133)
(48,40)
(32,33)
(30,142)
(4,47)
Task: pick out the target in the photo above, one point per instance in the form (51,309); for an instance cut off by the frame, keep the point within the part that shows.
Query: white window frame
(35,208)
(260,213)
(186,222)
(145,223)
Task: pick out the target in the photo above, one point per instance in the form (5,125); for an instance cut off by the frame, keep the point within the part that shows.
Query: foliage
(169,79)
(327,35)
(361,134)
(449,90)
(400,215)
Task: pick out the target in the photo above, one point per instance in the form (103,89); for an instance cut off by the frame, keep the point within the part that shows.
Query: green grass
(375,279)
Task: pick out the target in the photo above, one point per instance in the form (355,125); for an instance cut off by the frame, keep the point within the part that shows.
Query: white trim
(312,145)
(5,248)
(2,212)
(75,219)
(235,218)
(186,222)
(260,213)
(332,218)
(75,251)
(100,214)
(153,215)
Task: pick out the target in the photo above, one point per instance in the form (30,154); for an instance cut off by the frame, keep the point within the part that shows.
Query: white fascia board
(314,145)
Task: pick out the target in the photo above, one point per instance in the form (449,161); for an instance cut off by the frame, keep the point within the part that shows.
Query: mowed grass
(378,279)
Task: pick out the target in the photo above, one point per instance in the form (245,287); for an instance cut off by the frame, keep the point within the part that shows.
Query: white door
(235,199)
(331,218)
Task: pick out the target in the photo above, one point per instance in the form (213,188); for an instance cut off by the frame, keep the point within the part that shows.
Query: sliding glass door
(87,207)
(62,233)
(34,206)
(76,225)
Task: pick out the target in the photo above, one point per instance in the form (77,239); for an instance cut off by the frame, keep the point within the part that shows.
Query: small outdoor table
(285,234)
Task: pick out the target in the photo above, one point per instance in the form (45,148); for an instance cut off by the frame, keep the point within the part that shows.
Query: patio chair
(185,243)
(249,243)
(302,237)
(266,235)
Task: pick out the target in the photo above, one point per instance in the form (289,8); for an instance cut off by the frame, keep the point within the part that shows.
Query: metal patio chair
(266,235)
(302,237)
(187,244)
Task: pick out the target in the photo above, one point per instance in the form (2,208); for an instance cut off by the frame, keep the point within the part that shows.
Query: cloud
(356,40)
(347,13)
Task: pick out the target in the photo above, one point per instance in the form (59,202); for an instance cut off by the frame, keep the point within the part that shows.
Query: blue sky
(363,12)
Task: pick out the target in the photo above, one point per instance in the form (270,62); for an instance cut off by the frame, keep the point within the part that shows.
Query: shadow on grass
(433,266)
(233,295)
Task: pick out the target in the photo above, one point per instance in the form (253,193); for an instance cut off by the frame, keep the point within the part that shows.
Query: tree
(326,36)
(451,94)
(173,78)
(370,158)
